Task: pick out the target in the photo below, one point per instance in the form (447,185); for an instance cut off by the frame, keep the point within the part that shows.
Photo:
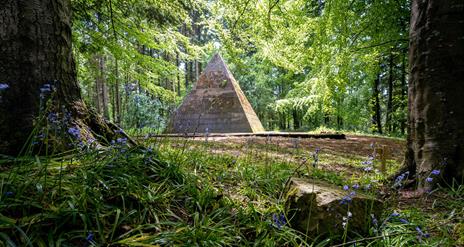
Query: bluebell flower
(368,169)
(421,234)
(367,162)
(3,86)
(346,199)
(346,187)
(90,236)
(74,131)
(46,88)
(394,214)
(404,221)
(52,117)
(400,178)
(279,221)
(355,186)
(9,193)
(118,131)
(121,140)
(436,172)
(429,179)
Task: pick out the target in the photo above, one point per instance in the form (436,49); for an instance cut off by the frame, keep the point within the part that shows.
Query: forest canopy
(302,64)
(122,123)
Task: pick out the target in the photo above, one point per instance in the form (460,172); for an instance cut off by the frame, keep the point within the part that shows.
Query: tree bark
(296,119)
(377,118)
(436,89)
(178,74)
(404,90)
(117,96)
(388,121)
(35,51)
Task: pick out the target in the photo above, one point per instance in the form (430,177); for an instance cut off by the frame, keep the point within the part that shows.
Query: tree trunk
(178,74)
(404,90)
(117,96)
(436,88)
(104,88)
(388,121)
(296,119)
(35,52)
(377,118)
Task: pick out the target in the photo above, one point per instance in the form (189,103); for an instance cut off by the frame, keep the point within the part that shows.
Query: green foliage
(186,192)
(317,59)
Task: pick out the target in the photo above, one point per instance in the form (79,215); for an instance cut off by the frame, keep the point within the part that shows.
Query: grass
(182,192)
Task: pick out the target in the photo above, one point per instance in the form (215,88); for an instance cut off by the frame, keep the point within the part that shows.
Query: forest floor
(211,192)
(340,162)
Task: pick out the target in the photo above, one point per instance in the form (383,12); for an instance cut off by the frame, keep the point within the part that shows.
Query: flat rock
(319,208)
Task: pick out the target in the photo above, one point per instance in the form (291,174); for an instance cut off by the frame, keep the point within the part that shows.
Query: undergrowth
(181,193)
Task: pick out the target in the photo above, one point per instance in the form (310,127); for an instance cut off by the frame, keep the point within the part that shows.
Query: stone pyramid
(215,105)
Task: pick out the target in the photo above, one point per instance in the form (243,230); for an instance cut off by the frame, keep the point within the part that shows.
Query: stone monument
(216,104)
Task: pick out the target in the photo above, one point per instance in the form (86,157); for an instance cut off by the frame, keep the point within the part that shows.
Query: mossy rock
(319,208)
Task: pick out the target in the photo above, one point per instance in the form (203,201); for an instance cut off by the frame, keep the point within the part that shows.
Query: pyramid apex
(217,57)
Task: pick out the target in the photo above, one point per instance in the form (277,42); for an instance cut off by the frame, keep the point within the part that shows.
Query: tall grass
(173,193)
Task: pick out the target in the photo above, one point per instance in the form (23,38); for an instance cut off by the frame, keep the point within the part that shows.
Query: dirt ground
(341,156)
(352,145)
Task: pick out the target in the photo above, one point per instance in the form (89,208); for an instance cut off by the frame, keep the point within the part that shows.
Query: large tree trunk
(436,89)
(35,50)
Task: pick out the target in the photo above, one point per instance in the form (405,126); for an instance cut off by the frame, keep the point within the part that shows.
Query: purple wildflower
(355,186)
(52,117)
(436,172)
(421,234)
(368,169)
(367,162)
(404,221)
(46,88)
(346,187)
(9,193)
(346,199)
(75,132)
(121,140)
(3,86)
(90,236)
(279,221)
(429,179)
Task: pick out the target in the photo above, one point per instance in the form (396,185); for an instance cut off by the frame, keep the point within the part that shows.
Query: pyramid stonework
(216,104)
